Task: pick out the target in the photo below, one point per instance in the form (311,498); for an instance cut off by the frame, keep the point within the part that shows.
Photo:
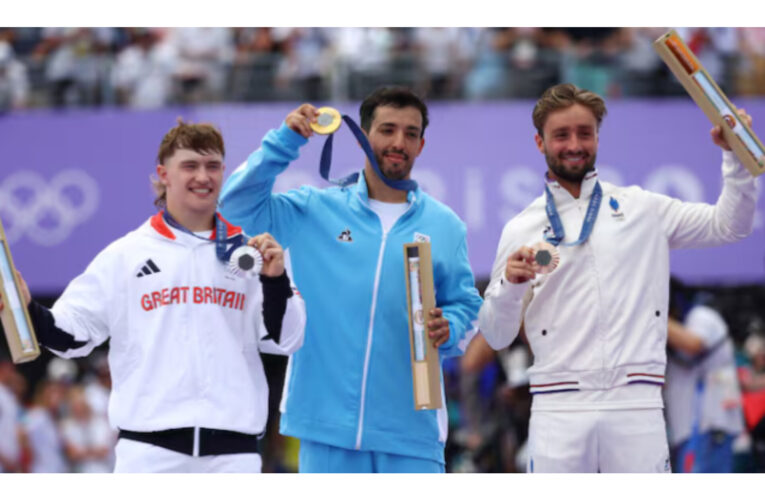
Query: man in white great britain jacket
(189,391)
(597,322)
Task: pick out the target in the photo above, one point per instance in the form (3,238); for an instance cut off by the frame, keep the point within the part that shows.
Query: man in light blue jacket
(348,394)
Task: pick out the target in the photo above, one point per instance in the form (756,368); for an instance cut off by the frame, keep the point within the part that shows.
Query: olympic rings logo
(46,212)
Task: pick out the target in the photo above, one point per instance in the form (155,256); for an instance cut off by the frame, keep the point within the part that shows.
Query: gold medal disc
(328,122)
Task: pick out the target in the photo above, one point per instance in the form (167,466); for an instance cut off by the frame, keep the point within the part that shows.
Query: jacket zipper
(369,340)
(372,318)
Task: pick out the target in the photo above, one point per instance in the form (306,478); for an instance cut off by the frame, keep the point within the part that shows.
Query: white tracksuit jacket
(597,325)
(185,340)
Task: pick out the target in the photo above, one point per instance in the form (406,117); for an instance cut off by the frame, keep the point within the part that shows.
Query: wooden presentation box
(17,325)
(708,96)
(421,298)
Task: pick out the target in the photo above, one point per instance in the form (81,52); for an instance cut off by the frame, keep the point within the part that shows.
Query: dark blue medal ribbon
(558,233)
(326,161)
(221,240)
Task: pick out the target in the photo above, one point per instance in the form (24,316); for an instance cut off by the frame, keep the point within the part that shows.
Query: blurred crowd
(720,428)
(53,411)
(154,67)
(56,421)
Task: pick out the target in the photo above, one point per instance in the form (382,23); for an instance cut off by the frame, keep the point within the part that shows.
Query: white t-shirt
(388,212)
(720,405)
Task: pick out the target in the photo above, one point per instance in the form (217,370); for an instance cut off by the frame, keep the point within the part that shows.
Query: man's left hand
(438,327)
(273,255)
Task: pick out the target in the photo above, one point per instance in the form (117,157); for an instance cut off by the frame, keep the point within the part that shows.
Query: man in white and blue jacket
(348,393)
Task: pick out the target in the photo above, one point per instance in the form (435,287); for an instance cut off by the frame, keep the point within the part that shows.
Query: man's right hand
(520,266)
(24,290)
(301,118)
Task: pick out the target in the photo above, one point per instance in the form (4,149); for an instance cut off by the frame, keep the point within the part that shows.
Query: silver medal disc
(246,261)
(325,119)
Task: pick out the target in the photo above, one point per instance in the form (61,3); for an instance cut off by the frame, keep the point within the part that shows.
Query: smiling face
(192,181)
(569,142)
(395,136)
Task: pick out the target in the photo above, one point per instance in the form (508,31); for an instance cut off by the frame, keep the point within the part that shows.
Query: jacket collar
(363,190)
(159,225)
(561,195)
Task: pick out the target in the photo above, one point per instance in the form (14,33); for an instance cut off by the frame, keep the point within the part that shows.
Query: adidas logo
(345,236)
(149,268)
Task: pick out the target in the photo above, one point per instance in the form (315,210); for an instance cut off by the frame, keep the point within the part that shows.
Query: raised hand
(717,135)
(300,119)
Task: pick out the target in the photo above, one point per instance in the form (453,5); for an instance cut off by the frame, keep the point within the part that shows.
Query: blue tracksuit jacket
(350,385)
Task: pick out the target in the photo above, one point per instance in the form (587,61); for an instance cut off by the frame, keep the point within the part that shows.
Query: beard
(575,174)
(396,173)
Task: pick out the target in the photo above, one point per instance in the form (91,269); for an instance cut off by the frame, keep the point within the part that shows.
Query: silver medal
(246,261)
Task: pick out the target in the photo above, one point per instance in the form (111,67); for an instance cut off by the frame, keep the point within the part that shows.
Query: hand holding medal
(307,119)
(520,266)
(525,263)
(302,119)
(261,255)
(246,261)
(272,254)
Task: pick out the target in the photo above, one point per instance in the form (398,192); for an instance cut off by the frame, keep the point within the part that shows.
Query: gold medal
(328,122)
(546,257)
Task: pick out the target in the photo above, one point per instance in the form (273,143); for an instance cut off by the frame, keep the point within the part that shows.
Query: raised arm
(247,199)
(727,221)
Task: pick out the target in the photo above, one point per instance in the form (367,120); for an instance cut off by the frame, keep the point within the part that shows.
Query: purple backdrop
(73,181)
